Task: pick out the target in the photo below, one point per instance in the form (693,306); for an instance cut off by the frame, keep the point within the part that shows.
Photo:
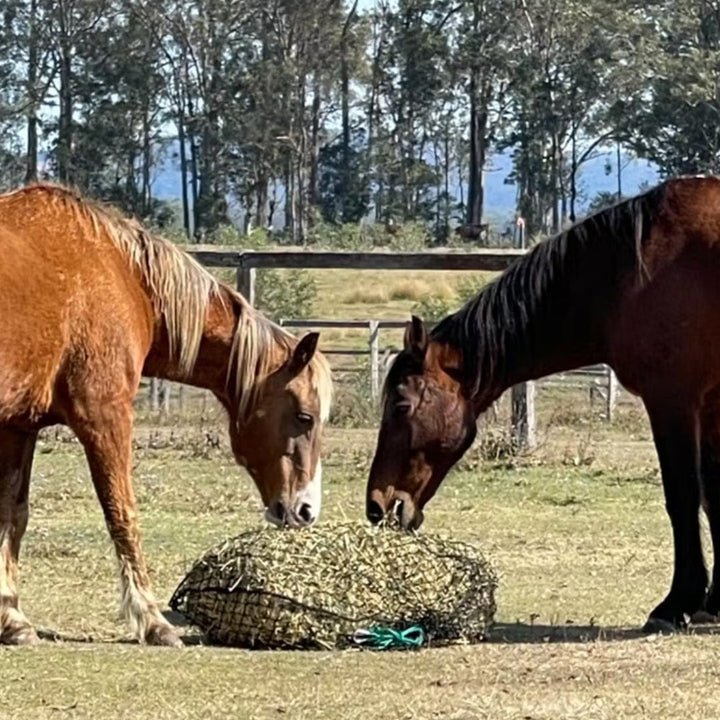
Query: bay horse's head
(277,437)
(427,424)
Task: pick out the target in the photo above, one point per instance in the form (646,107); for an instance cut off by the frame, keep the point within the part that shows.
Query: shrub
(433,308)
(285,294)
(230,236)
(467,289)
(353,406)
(351,236)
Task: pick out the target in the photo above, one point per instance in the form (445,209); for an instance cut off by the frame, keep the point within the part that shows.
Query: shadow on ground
(518,633)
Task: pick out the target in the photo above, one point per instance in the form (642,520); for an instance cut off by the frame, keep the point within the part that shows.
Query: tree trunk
(478,151)
(446,176)
(290,197)
(31,173)
(573,172)
(261,201)
(64,142)
(312,191)
(193,166)
(554,182)
(183,171)
(146,192)
(345,114)
(439,234)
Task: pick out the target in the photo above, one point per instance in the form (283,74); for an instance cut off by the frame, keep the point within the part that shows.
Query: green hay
(314,588)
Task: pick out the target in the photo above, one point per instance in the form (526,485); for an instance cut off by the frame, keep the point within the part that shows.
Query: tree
(481,64)
(675,120)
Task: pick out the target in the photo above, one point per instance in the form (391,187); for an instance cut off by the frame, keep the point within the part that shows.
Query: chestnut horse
(89,302)
(636,286)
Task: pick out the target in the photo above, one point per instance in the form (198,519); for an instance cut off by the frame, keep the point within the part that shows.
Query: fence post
(374,342)
(165,396)
(612,394)
(523,416)
(245,282)
(154,394)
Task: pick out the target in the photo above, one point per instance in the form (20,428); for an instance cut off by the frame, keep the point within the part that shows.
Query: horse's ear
(416,339)
(303,353)
(448,359)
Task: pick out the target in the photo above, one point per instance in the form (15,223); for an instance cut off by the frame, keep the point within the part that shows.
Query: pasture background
(576,528)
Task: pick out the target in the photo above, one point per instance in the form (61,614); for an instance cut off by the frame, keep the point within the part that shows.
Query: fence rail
(599,379)
(246,261)
(494,260)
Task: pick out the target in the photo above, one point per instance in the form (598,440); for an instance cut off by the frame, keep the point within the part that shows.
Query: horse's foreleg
(711,503)
(107,444)
(16,453)
(677,439)
(710,476)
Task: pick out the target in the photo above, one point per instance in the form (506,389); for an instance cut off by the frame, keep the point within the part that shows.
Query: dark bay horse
(636,286)
(89,302)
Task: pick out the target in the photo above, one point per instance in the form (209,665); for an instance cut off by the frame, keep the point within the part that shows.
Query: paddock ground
(577,530)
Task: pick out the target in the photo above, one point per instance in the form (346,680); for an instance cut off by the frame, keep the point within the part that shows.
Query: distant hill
(500,197)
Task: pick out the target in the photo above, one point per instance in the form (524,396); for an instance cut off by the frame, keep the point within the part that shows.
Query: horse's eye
(403,408)
(304,418)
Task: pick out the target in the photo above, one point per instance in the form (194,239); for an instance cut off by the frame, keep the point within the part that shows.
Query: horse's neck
(563,328)
(210,370)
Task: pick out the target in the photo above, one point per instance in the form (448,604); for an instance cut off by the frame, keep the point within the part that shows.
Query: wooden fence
(245,264)
(600,380)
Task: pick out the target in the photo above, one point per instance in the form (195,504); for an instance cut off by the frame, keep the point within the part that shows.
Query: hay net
(315,588)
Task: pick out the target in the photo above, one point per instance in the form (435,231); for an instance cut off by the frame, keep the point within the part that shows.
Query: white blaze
(311,494)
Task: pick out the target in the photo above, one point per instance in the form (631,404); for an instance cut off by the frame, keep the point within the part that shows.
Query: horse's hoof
(658,626)
(703,617)
(20,635)
(165,635)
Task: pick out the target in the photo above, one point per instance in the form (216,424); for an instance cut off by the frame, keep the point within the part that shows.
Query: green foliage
(602,200)
(380,122)
(467,289)
(344,187)
(354,407)
(352,236)
(436,307)
(285,294)
(229,235)
(433,308)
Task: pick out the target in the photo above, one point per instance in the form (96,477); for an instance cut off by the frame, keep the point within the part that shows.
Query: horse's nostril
(306,513)
(374,512)
(278,510)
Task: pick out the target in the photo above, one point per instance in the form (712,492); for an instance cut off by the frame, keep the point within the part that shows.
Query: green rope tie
(387,638)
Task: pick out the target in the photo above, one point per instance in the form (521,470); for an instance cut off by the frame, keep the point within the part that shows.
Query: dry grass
(410,290)
(584,551)
(366,296)
(414,289)
(371,294)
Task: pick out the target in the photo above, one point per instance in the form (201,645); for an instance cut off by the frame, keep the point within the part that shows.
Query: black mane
(522,311)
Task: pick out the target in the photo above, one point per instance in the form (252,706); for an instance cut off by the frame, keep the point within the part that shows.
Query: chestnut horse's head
(427,424)
(277,435)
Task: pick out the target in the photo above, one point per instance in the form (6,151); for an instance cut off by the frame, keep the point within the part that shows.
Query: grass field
(577,531)
(386,295)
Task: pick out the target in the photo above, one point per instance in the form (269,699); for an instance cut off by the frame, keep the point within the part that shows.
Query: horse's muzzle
(279,514)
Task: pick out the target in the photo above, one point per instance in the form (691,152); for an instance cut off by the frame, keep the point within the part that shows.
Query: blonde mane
(253,335)
(181,289)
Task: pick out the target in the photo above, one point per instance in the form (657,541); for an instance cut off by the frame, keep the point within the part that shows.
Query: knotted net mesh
(314,588)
